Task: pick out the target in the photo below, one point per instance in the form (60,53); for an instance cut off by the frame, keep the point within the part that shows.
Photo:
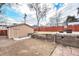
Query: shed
(19,30)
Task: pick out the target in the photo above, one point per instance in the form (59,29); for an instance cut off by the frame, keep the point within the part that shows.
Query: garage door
(3,32)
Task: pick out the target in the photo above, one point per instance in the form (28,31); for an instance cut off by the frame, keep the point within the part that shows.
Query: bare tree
(45,9)
(58,16)
(55,19)
(36,8)
(52,21)
(40,11)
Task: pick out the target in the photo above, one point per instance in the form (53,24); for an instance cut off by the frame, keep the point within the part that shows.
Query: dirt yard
(28,47)
(5,42)
(35,47)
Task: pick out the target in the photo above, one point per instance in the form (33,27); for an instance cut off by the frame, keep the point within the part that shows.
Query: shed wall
(19,31)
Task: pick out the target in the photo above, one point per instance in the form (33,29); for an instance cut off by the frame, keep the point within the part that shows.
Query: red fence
(3,32)
(58,28)
(53,28)
(74,27)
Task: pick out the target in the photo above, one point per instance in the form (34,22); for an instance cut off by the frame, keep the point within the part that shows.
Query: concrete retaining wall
(61,39)
(48,37)
(68,40)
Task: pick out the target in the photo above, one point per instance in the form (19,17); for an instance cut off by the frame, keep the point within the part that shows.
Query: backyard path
(65,51)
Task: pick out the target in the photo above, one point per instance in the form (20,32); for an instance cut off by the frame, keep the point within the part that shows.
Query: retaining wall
(68,40)
(61,39)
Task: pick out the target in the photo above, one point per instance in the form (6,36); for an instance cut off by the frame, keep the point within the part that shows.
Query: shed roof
(19,25)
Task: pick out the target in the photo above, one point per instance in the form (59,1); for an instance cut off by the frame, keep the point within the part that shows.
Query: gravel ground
(28,47)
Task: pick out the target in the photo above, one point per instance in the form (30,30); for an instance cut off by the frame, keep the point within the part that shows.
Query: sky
(12,13)
(17,12)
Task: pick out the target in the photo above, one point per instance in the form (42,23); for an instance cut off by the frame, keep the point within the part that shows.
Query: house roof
(19,25)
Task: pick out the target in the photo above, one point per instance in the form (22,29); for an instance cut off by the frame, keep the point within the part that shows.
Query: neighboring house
(17,30)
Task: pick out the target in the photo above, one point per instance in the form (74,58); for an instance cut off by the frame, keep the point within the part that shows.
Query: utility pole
(78,11)
(25,15)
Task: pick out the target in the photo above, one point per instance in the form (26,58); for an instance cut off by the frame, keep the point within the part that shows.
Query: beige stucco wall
(19,31)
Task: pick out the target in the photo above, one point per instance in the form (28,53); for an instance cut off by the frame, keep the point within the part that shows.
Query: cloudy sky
(16,12)
(70,10)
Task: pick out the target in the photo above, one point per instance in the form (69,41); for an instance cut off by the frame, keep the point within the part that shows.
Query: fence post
(54,39)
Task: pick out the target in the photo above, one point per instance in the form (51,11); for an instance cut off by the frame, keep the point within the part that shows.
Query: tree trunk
(37,20)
